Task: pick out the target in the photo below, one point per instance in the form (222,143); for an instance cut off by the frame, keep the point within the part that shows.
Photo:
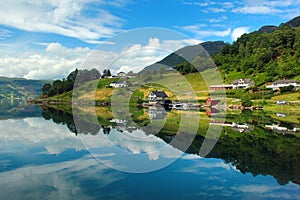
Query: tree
(46,88)
(106,72)
(246,100)
(289,88)
(72,75)
(66,85)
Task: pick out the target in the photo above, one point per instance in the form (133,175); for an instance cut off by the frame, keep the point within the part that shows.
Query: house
(122,75)
(242,83)
(157,97)
(283,83)
(235,84)
(212,102)
(131,74)
(120,84)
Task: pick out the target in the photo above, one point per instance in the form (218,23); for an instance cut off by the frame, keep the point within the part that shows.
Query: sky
(48,39)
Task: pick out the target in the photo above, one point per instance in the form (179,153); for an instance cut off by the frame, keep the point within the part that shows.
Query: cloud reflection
(18,135)
(64,180)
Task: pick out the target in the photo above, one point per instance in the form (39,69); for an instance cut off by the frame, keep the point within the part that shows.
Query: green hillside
(188,53)
(20,88)
(265,57)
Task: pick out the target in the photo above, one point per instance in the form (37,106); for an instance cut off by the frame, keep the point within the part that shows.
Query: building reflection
(253,152)
(157,113)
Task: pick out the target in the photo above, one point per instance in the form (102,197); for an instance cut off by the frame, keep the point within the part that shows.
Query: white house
(157,97)
(120,84)
(235,84)
(131,74)
(283,83)
(242,83)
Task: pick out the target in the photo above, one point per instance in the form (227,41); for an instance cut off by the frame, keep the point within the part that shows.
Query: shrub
(246,100)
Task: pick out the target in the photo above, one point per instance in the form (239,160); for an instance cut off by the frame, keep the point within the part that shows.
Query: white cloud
(228,5)
(273,3)
(200,33)
(237,32)
(69,18)
(201,4)
(217,10)
(256,10)
(137,56)
(273,7)
(4,34)
(55,61)
(218,20)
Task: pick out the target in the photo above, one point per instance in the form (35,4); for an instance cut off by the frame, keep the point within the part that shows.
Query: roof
(285,81)
(122,82)
(246,80)
(160,94)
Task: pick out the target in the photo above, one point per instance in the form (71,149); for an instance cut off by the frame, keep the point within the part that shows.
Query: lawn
(287,97)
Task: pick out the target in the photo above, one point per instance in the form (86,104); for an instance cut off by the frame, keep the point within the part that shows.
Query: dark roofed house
(121,74)
(157,97)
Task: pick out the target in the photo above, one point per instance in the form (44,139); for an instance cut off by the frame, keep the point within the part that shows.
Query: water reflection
(45,160)
(247,141)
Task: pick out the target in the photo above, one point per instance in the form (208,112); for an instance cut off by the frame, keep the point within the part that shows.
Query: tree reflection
(65,118)
(259,151)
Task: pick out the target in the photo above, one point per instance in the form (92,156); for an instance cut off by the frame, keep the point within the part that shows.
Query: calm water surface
(44,156)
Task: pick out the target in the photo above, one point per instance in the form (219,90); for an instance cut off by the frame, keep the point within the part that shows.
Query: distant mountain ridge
(267,29)
(268,50)
(294,22)
(20,88)
(187,53)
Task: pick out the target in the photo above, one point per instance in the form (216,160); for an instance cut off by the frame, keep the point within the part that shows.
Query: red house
(212,102)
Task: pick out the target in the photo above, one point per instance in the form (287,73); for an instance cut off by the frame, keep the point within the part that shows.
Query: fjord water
(44,156)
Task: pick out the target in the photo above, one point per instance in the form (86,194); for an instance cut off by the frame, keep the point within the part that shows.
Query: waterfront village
(160,97)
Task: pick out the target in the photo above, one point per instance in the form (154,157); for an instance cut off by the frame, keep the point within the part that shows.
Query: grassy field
(287,97)
(187,88)
(191,87)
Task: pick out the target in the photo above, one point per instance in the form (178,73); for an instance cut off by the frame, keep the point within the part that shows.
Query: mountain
(267,29)
(188,53)
(20,88)
(294,22)
(266,57)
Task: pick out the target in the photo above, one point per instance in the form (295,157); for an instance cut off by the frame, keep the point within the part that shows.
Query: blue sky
(48,39)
